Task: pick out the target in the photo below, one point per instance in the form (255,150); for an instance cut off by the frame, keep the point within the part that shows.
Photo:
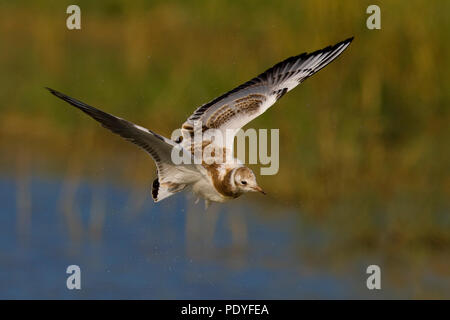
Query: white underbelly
(204,188)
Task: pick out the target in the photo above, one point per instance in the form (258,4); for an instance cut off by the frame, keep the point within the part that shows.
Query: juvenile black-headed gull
(216,181)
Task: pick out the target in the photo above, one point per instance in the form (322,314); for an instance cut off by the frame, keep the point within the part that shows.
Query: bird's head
(245,180)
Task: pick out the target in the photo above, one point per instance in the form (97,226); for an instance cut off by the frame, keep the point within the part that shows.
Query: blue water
(170,250)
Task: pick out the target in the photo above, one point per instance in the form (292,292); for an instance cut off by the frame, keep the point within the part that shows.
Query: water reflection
(173,249)
(129,247)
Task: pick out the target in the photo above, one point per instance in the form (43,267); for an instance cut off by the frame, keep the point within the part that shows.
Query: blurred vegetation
(364,143)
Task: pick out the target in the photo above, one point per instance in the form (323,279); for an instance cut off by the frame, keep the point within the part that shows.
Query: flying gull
(216,181)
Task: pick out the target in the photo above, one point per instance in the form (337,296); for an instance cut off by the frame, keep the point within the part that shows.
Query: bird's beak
(259,189)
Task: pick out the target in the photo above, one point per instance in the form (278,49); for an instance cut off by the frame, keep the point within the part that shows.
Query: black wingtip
(77,103)
(348,40)
(54,92)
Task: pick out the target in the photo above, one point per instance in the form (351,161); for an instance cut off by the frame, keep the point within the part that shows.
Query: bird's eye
(244,182)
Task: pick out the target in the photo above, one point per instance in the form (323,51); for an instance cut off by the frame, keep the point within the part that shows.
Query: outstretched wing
(239,106)
(157,146)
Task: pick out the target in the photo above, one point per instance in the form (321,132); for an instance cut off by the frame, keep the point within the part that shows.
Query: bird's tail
(164,190)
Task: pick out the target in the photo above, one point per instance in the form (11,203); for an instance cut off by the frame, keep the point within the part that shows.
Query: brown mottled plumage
(223,185)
